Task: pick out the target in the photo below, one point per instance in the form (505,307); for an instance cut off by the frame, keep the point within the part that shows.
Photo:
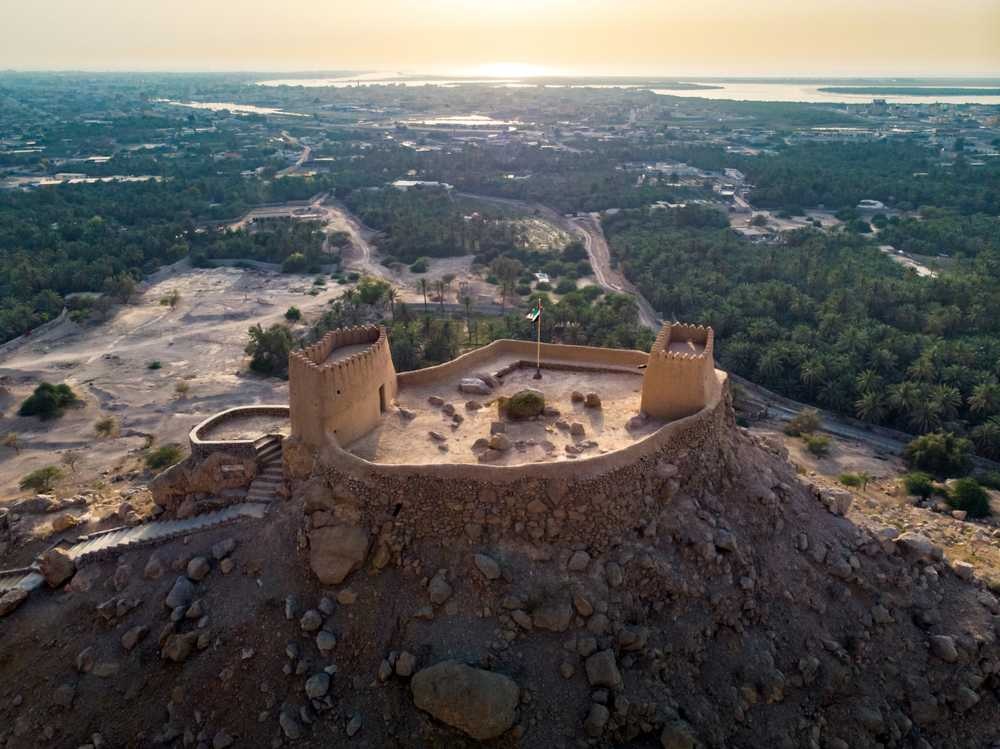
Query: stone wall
(201,447)
(593,501)
(340,400)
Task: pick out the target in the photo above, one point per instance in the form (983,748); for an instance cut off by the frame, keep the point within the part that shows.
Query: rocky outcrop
(212,475)
(479,703)
(56,566)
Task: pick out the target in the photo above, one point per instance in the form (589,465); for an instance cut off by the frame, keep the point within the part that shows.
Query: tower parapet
(339,387)
(680,374)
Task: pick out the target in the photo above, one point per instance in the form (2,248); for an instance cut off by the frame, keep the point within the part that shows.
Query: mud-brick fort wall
(342,399)
(595,501)
(679,383)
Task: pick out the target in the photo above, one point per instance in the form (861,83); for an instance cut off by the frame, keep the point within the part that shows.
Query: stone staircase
(270,472)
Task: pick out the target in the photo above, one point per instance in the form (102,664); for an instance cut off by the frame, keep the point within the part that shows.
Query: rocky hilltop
(740,606)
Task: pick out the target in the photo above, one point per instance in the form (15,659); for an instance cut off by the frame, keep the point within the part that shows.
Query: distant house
(871,205)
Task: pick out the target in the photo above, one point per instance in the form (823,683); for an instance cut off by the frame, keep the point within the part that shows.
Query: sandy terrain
(401,440)
(199,342)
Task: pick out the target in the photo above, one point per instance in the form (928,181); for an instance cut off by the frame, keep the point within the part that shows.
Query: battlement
(679,374)
(340,386)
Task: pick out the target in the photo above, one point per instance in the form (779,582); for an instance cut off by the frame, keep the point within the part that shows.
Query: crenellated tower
(680,374)
(339,387)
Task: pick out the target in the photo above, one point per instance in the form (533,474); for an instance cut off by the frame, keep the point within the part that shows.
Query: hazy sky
(685,37)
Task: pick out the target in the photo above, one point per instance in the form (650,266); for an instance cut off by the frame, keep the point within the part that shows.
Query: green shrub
(42,479)
(293,314)
(918,484)
(565,286)
(942,454)
(850,479)
(295,263)
(817,444)
(353,276)
(155,364)
(106,426)
(269,349)
(804,422)
(163,456)
(966,494)
(522,290)
(49,401)
(990,479)
(524,404)
(543,286)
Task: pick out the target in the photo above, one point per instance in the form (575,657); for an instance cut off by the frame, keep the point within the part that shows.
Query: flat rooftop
(401,439)
(686,347)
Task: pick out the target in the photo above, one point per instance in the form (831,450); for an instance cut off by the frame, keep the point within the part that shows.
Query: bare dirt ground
(402,440)
(200,343)
(885,502)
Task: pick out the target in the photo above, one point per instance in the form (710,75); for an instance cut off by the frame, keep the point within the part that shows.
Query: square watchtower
(680,374)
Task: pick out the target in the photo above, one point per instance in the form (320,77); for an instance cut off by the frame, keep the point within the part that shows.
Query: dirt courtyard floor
(402,438)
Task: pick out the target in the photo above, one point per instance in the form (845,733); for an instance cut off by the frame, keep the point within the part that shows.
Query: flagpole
(538,345)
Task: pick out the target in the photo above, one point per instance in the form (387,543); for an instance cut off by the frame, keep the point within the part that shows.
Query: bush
(163,456)
(989,479)
(918,484)
(941,454)
(155,364)
(850,479)
(565,286)
(817,444)
(524,404)
(269,349)
(353,276)
(295,263)
(543,286)
(293,314)
(522,290)
(419,265)
(106,426)
(966,494)
(48,401)
(41,480)
(804,422)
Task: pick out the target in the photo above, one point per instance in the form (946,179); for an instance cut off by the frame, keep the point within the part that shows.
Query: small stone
(64,694)
(326,606)
(944,648)
(353,725)
(593,400)
(180,594)
(439,589)
(198,569)
(292,607)
(346,597)
(11,600)
(487,566)
(577,429)
(311,621)
(222,740)
(614,574)
(325,641)
(437,436)
(964,570)
(554,616)
(567,670)
(85,660)
(448,409)
(121,577)
(677,735)
(105,669)
(132,637)
(436,400)
(596,720)
(602,670)
(500,442)
(290,726)
(582,605)
(224,548)
(406,664)
(576,396)
(384,671)
(579,561)
(317,685)
(227,565)
(178,647)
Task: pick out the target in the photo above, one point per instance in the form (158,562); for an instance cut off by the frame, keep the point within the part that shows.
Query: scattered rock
(437,436)
(576,396)
(554,616)
(435,400)
(353,725)
(602,670)
(311,621)
(180,594)
(154,568)
(500,442)
(943,647)
(132,637)
(336,551)
(64,694)
(198,569)
(346,597)
(487,566)
(579,561)
(224,548)
(479,703)
(593,400)
(964,570)
(406,664)
(317,685)
(85,660)
(439,589)
(918,547)
(677,735)
(63,522)
(56,567)
(178,647)
(290,726)
(596,720)
(474,386)
(222,740)
(577,429)
(11,600)
(325,641)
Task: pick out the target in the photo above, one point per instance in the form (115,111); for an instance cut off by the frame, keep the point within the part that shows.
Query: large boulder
(479,703)
(56,567)
(525,404)
(335,551)
(474,386)
(209,476)
(11,600)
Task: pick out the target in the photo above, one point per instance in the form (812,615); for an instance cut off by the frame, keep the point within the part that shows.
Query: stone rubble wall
(594,501)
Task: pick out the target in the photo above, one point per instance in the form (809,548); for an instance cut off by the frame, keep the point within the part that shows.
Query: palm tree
(948,400)
(867,381)
(440,290)
(904,396)
(987,438)
(812,373)
(870,407)
(423,289)
(467,301)
(925,416)
(391,296)
(985,398)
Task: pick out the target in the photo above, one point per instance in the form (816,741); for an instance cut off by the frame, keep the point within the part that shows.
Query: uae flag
(535,312)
